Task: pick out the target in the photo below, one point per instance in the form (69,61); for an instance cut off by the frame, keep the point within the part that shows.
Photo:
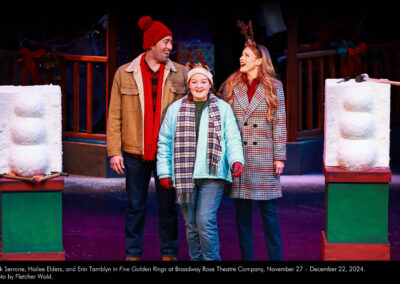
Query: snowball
(28,131)
(356,125)
(358,99)
(29,104)
(28,160)
(356,154)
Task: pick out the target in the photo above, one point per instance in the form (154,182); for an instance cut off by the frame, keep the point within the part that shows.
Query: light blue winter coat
(231,144)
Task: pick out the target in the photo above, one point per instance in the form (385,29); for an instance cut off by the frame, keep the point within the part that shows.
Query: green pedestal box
(31,222)
(357,212)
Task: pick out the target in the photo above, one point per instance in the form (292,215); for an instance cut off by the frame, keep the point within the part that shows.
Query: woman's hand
(278,167)
(117,164)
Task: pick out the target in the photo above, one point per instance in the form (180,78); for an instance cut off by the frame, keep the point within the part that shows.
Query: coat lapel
(241,95)
(258,98)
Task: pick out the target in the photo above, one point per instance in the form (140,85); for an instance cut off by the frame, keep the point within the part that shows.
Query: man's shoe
(132,258)
(169,258)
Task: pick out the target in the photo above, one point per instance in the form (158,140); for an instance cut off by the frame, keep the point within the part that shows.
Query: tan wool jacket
(125,126)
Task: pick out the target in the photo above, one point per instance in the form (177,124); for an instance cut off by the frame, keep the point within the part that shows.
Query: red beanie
(153,31)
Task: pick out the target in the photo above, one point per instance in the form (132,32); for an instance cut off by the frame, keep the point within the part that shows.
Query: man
(141,92)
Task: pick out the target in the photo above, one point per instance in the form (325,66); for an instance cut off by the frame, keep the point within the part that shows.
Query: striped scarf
(185,146)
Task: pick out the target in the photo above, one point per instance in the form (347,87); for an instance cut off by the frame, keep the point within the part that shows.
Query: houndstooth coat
(263,142)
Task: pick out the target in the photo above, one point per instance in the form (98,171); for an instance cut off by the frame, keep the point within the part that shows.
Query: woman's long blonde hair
(266,76)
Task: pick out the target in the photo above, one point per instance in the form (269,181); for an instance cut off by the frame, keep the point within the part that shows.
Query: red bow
(30,65)
(362,47)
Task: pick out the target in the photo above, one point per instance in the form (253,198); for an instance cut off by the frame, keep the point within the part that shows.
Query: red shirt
(251,88)
(154,83)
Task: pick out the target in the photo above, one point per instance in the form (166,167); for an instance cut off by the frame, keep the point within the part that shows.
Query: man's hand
(166,183)
(117,164)
(237,169)
(278,167)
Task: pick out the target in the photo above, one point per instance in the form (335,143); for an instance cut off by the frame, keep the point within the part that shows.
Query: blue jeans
(201,220)
(272,230)
(138,174)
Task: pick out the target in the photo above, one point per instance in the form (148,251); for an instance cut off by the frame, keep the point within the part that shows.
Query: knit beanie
(200,70)
(153,31)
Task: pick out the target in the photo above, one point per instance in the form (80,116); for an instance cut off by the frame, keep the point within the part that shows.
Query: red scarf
(151,120)
(251,88)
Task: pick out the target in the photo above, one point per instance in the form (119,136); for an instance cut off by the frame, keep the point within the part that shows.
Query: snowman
(30,130)
(357,117)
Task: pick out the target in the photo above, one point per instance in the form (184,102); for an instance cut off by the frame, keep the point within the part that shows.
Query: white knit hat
(200,70)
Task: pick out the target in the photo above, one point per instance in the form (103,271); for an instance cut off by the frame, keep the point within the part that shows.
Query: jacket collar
(135,65)
(249,108)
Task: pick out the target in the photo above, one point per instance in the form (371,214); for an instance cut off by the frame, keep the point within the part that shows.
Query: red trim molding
(53,256)
(334,251)
(375,175)
(55,184)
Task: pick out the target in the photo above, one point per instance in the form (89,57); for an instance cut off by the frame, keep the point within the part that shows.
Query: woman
(257,100)
(199,143)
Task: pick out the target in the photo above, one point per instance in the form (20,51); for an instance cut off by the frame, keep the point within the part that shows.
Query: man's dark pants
(138,174)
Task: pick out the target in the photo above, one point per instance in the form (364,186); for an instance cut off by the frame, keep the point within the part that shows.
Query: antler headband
(247,31)
(199,54)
